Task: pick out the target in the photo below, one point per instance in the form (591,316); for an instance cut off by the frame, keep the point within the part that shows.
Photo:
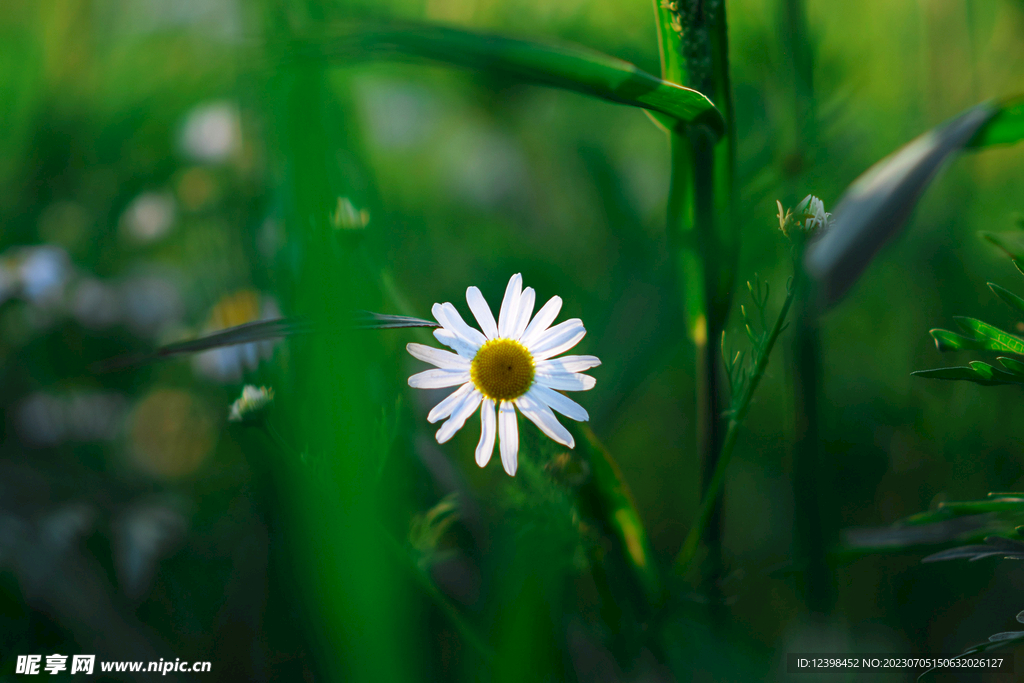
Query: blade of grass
(563,66)
(616,506)
(260,330)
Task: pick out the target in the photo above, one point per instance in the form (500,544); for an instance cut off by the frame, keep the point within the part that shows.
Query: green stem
(802,67)
(809,523)
(711,496)
(693,41)
(467,632)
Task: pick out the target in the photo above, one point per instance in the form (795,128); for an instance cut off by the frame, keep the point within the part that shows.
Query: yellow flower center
(502,369)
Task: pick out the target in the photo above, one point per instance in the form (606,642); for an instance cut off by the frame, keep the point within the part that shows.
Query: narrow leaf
(968,552)
(973,507)
(1002,642)
(957,373)
(1008,297)
(1014,366)
(260,330)
(950,341)
(1010,242)
(878,203)
(569,67)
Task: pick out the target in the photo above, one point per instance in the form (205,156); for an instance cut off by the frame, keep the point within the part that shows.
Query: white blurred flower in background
(36,274)
(149,217)
(46,419)
(95,304)
(212,132)
(146,302)
(150,303)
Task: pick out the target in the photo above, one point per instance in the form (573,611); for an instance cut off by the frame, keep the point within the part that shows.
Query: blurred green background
(167,169)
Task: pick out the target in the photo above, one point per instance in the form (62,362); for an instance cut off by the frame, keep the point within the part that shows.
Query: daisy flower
(509,365)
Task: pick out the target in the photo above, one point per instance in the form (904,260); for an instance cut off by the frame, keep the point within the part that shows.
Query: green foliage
(428,528)
(741,366)
(993,520)
(981,336)
(997,642)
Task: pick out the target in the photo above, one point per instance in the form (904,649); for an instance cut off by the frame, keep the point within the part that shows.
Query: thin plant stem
(711,495)
(802,65)
(424,583)
(809,525)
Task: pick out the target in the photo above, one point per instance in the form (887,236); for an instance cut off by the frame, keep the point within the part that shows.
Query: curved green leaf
(999,641)
(1014,366)
(880,201)
(563,66)
(951,341)
(1005,128)
(1008,297)
(971,374)
(974,507)
(1010,242)
(612,497)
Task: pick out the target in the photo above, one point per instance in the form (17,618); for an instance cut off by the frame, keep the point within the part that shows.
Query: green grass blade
(615,503)
(1014,366)
(1010,242)
(999,641)
(967,374)
(951,341)
(1008,297)
(877,205)
(557,65)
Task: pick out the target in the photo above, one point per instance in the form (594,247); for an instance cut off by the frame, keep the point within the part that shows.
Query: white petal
(565,381)
(566,406)
(545,316)
(450,403)
(448,316)
(459,416)
(568,364)
(482,312)
(488,431)
(524,313)
(510,305)
(454,341)
(539,413)
(508,435)
(559,338)
(445,360)
(438,379)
